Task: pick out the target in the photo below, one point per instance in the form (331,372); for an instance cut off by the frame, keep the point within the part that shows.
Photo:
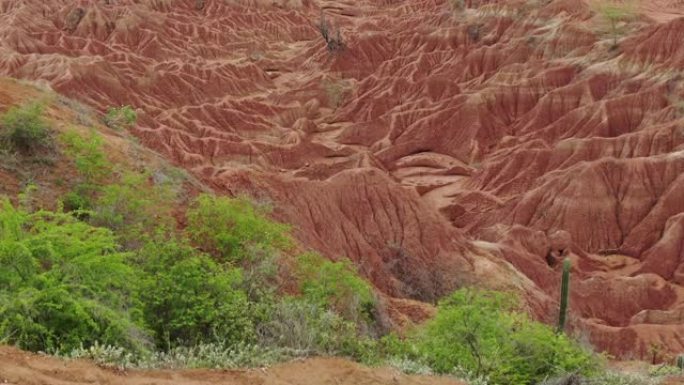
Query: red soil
(440,148)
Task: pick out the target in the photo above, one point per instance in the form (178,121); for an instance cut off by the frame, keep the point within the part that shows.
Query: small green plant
(615,14)
(23,129)
(564,295)
(119,118)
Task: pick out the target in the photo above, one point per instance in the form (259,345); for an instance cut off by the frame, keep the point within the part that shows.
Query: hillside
(443,144)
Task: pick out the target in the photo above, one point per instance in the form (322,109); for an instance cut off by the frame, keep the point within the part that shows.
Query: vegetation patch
(120,118)
(482,337)
(110,275)
(23,129)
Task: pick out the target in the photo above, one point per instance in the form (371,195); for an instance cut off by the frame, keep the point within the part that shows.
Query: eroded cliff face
(443,146)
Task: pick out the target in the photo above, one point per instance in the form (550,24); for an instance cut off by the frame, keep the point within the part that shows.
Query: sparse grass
(120,118)
(336,91)
(84,114)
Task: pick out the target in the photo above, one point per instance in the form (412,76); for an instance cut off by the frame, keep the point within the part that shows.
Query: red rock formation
(441,147)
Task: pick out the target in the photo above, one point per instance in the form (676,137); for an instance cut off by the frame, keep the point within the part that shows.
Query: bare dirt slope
(443,146)
(21,368)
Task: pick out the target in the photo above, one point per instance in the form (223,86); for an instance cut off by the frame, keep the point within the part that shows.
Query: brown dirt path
(21,368)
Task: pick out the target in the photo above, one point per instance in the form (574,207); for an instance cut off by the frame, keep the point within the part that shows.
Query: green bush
(119,118)
(133,207)
(89,156)
(24,129)
(130,206)
(481,333)
(228,228)
(93,168)
(335,285)
(63,284)
(190,299)
(68,287)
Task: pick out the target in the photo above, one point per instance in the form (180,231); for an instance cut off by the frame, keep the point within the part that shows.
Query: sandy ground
(21,368)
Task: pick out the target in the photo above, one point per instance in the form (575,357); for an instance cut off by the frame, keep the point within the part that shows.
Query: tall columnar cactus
(680,362)
(564,295)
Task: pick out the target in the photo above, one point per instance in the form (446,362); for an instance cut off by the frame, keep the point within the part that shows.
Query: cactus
(564,295)
(680,362)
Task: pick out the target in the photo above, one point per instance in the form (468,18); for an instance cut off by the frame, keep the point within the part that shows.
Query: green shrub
(88,155)
(481,333)
(24,129)
(133,207)
(335,285)
(228,228)
(93,168)
(189,299)
(120,118)
(63,284)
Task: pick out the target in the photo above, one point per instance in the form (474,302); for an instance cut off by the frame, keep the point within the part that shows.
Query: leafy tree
(189,299)
(63,283)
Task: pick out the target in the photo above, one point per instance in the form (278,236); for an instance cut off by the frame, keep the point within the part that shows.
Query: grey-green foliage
(203,355)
